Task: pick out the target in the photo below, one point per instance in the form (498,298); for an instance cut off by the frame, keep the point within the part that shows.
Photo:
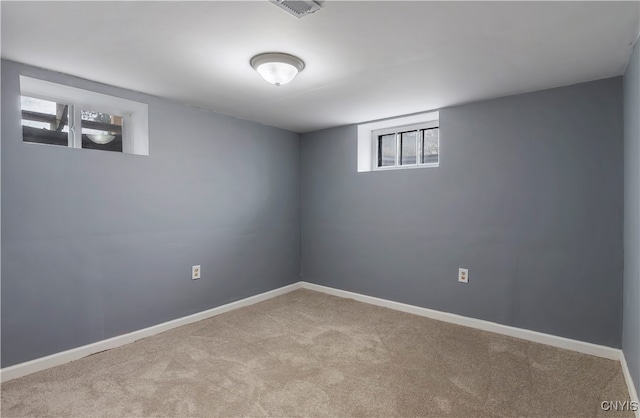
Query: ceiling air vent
(298,8)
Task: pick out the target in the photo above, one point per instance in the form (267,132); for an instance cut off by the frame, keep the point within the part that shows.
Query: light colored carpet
(310,354)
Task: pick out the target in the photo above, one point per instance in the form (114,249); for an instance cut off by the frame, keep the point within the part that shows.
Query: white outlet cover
(195,272)
(463,275)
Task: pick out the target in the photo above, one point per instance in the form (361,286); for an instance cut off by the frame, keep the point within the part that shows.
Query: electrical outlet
(463,275)
(195,272)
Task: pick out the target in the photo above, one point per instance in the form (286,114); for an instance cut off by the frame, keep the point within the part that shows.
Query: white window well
(56,114)
(400,143)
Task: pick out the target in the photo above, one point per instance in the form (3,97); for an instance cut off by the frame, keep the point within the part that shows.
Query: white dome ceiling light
(277,68)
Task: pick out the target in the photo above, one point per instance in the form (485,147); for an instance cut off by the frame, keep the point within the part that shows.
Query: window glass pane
(387,150)
(44,121)
(430,145)
(408,147)
(101,131)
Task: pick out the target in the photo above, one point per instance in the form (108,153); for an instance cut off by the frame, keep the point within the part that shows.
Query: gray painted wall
(97,244)
(631,306)
(528,196)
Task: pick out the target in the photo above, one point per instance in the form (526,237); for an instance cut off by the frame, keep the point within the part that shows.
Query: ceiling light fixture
(277,68)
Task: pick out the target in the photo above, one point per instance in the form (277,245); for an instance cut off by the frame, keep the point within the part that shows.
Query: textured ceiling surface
(365,60)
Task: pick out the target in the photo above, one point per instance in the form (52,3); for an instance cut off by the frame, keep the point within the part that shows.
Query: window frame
(364,145)
(397,131)
(135,115)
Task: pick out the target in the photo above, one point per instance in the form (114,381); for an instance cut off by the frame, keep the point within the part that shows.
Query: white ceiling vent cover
(298,8)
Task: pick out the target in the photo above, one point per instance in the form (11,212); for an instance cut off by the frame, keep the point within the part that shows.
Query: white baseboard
(57,359)
(538,337)
(23,369)
(534,336)
(633,394)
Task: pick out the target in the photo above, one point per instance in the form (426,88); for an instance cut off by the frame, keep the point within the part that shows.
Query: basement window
(400,143)
(55,114)
(407,146)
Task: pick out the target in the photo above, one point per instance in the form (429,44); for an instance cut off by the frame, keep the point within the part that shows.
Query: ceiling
(365,60)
